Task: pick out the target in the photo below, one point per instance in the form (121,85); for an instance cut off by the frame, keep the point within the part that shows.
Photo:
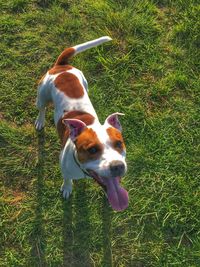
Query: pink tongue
(117,196)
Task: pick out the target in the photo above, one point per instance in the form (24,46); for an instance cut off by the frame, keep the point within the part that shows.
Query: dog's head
(101,151)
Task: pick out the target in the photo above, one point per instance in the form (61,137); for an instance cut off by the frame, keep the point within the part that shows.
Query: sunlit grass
(150,72)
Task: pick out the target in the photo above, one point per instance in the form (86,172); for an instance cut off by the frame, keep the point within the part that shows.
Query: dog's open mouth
(117,195)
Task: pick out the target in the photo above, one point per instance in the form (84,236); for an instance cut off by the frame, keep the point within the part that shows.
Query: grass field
(150,72)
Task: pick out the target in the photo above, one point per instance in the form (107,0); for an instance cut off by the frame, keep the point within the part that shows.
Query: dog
(89,149)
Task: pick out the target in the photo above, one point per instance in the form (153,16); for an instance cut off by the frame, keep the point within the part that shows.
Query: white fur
(47,92)
(101,166)
(82,47)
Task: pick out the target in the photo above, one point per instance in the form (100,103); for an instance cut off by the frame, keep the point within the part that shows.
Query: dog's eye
(93,150)
(118,144)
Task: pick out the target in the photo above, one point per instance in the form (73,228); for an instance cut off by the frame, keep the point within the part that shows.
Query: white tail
(72,51)
(82,47)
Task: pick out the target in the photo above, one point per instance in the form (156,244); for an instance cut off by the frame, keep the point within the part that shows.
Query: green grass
(150,71)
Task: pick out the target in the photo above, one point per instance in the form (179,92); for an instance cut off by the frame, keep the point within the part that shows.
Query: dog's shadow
(68,236)
(37,237)
(76,228)
(106,233)
(77,232)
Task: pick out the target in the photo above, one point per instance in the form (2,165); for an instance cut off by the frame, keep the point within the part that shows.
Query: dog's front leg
(39,123)
(66,188)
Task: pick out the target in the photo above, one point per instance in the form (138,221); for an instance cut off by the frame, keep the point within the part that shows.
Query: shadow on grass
(67,233)
(77,231)
(82,229)
(106,233)
(37,237)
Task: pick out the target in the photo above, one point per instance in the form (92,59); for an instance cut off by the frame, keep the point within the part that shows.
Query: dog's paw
(66,193)
(39,124)
(66,190)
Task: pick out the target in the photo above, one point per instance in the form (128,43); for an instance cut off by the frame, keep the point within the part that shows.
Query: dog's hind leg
(66,188)
(41,103)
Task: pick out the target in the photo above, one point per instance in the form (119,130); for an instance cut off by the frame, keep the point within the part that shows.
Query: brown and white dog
(89,149)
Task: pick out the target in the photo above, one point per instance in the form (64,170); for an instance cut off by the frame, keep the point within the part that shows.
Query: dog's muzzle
(117,168)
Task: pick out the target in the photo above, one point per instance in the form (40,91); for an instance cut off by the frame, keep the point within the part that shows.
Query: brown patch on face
(116,139)
(59,68)
(69,84)
(65,56)
(88,146)
(63,131)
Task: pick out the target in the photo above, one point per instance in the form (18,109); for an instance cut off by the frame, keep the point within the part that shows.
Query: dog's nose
(117,168)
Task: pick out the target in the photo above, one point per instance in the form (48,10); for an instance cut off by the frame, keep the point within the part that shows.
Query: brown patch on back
(59,68)
(86,140)
(116,139)
(63,131)
(69,84)
(85,117)
(65,56)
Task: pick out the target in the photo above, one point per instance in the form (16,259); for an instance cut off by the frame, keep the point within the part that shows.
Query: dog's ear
(75,126)
(113,120)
